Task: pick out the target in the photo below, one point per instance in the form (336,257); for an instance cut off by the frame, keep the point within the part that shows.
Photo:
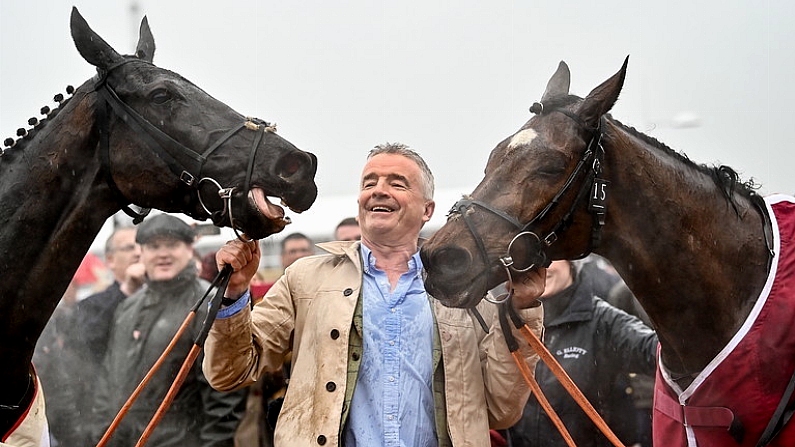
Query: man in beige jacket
(376,361)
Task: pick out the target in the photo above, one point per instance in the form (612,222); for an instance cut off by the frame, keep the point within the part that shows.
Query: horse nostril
(289,165)
(449,261)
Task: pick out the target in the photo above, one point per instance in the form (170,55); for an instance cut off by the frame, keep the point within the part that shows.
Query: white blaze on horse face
(522,138)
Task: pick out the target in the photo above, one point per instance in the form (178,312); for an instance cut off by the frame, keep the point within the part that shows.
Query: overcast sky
(449,78)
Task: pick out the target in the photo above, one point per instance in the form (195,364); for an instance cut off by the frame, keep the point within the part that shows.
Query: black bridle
(589,167)
(185,163)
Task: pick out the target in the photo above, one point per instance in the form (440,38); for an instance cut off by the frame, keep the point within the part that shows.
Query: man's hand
(244,259)
(528,286)
(134,278)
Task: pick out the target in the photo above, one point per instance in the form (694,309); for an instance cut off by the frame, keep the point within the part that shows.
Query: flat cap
(164,226)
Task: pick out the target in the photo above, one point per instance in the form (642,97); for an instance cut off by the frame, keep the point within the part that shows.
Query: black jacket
(596,344)
(143,325)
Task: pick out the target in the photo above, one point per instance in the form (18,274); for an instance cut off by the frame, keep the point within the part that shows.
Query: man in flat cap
(142,327)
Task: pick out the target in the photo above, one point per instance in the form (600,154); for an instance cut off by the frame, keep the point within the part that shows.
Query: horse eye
(160,96)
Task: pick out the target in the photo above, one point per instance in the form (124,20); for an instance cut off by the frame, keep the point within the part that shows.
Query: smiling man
(142,327)
(376,361)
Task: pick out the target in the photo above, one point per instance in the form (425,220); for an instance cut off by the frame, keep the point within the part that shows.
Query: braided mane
(29,134)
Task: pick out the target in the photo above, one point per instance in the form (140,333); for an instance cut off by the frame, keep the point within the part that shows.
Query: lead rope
(513,346)
(221,281)
(538,346)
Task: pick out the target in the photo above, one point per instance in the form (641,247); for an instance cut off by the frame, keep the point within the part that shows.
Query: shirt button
(390,417)
(392,343)
(355,356)
(391,379)
(335,334)
(331,386)
(321,440)
(393,310)
(347,292)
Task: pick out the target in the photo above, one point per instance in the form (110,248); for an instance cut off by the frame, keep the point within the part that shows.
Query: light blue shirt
(393,400)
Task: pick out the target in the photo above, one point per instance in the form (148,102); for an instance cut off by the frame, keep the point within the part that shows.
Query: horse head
(169,145)
(536,202)
(134,134)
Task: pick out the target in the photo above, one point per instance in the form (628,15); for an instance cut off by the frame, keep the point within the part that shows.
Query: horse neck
(694,262)
(53,202)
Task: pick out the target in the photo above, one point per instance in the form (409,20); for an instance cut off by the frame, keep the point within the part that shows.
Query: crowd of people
(345,347)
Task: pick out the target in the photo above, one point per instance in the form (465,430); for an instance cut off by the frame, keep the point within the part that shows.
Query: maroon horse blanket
(731,402)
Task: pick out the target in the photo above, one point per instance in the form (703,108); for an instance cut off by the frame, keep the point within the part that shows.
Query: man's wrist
(229,301)
(236,306)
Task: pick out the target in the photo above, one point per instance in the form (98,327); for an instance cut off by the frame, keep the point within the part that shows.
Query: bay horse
(706,256)
(134,134)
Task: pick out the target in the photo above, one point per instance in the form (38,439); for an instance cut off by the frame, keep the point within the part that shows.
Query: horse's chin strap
(185,163)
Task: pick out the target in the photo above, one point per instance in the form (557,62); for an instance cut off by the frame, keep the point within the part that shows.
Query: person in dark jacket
(597,344)
(143,325)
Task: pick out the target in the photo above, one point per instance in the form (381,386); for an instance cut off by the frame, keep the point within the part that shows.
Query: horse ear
(603,98)
(94,50)
(558,84)
(146,42)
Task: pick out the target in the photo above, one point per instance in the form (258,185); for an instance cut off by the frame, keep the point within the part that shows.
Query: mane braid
(726,178)
(21,142)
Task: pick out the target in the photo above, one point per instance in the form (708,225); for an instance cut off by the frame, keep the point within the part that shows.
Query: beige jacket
(310,310)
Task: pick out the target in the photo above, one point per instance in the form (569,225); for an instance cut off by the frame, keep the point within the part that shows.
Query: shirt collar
(368,262)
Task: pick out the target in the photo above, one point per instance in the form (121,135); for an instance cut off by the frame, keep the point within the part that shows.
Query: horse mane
(27,135)
(724,177)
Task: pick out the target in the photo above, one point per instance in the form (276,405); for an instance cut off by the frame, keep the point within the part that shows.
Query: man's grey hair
(404,150)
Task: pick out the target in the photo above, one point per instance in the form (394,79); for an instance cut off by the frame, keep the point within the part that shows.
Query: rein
(186,164)
(506,310)
(589,166)
(220,282)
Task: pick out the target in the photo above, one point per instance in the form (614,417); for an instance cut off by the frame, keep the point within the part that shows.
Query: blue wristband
(236,307)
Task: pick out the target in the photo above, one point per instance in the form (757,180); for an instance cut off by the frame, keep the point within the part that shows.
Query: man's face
(392,204)
(295,249)
(164,258)
(124,251)
(348,233)
(558,277)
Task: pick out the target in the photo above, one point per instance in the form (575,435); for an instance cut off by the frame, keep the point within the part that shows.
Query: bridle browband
(589,166)
(185,163)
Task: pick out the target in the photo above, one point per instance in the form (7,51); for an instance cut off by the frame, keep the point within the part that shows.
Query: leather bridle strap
(591,163)
(104,156)
(185,163)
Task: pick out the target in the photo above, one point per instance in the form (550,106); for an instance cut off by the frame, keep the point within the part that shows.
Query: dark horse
(136,134)
(696,246)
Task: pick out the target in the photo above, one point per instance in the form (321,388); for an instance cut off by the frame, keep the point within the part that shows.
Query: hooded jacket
(312,310)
